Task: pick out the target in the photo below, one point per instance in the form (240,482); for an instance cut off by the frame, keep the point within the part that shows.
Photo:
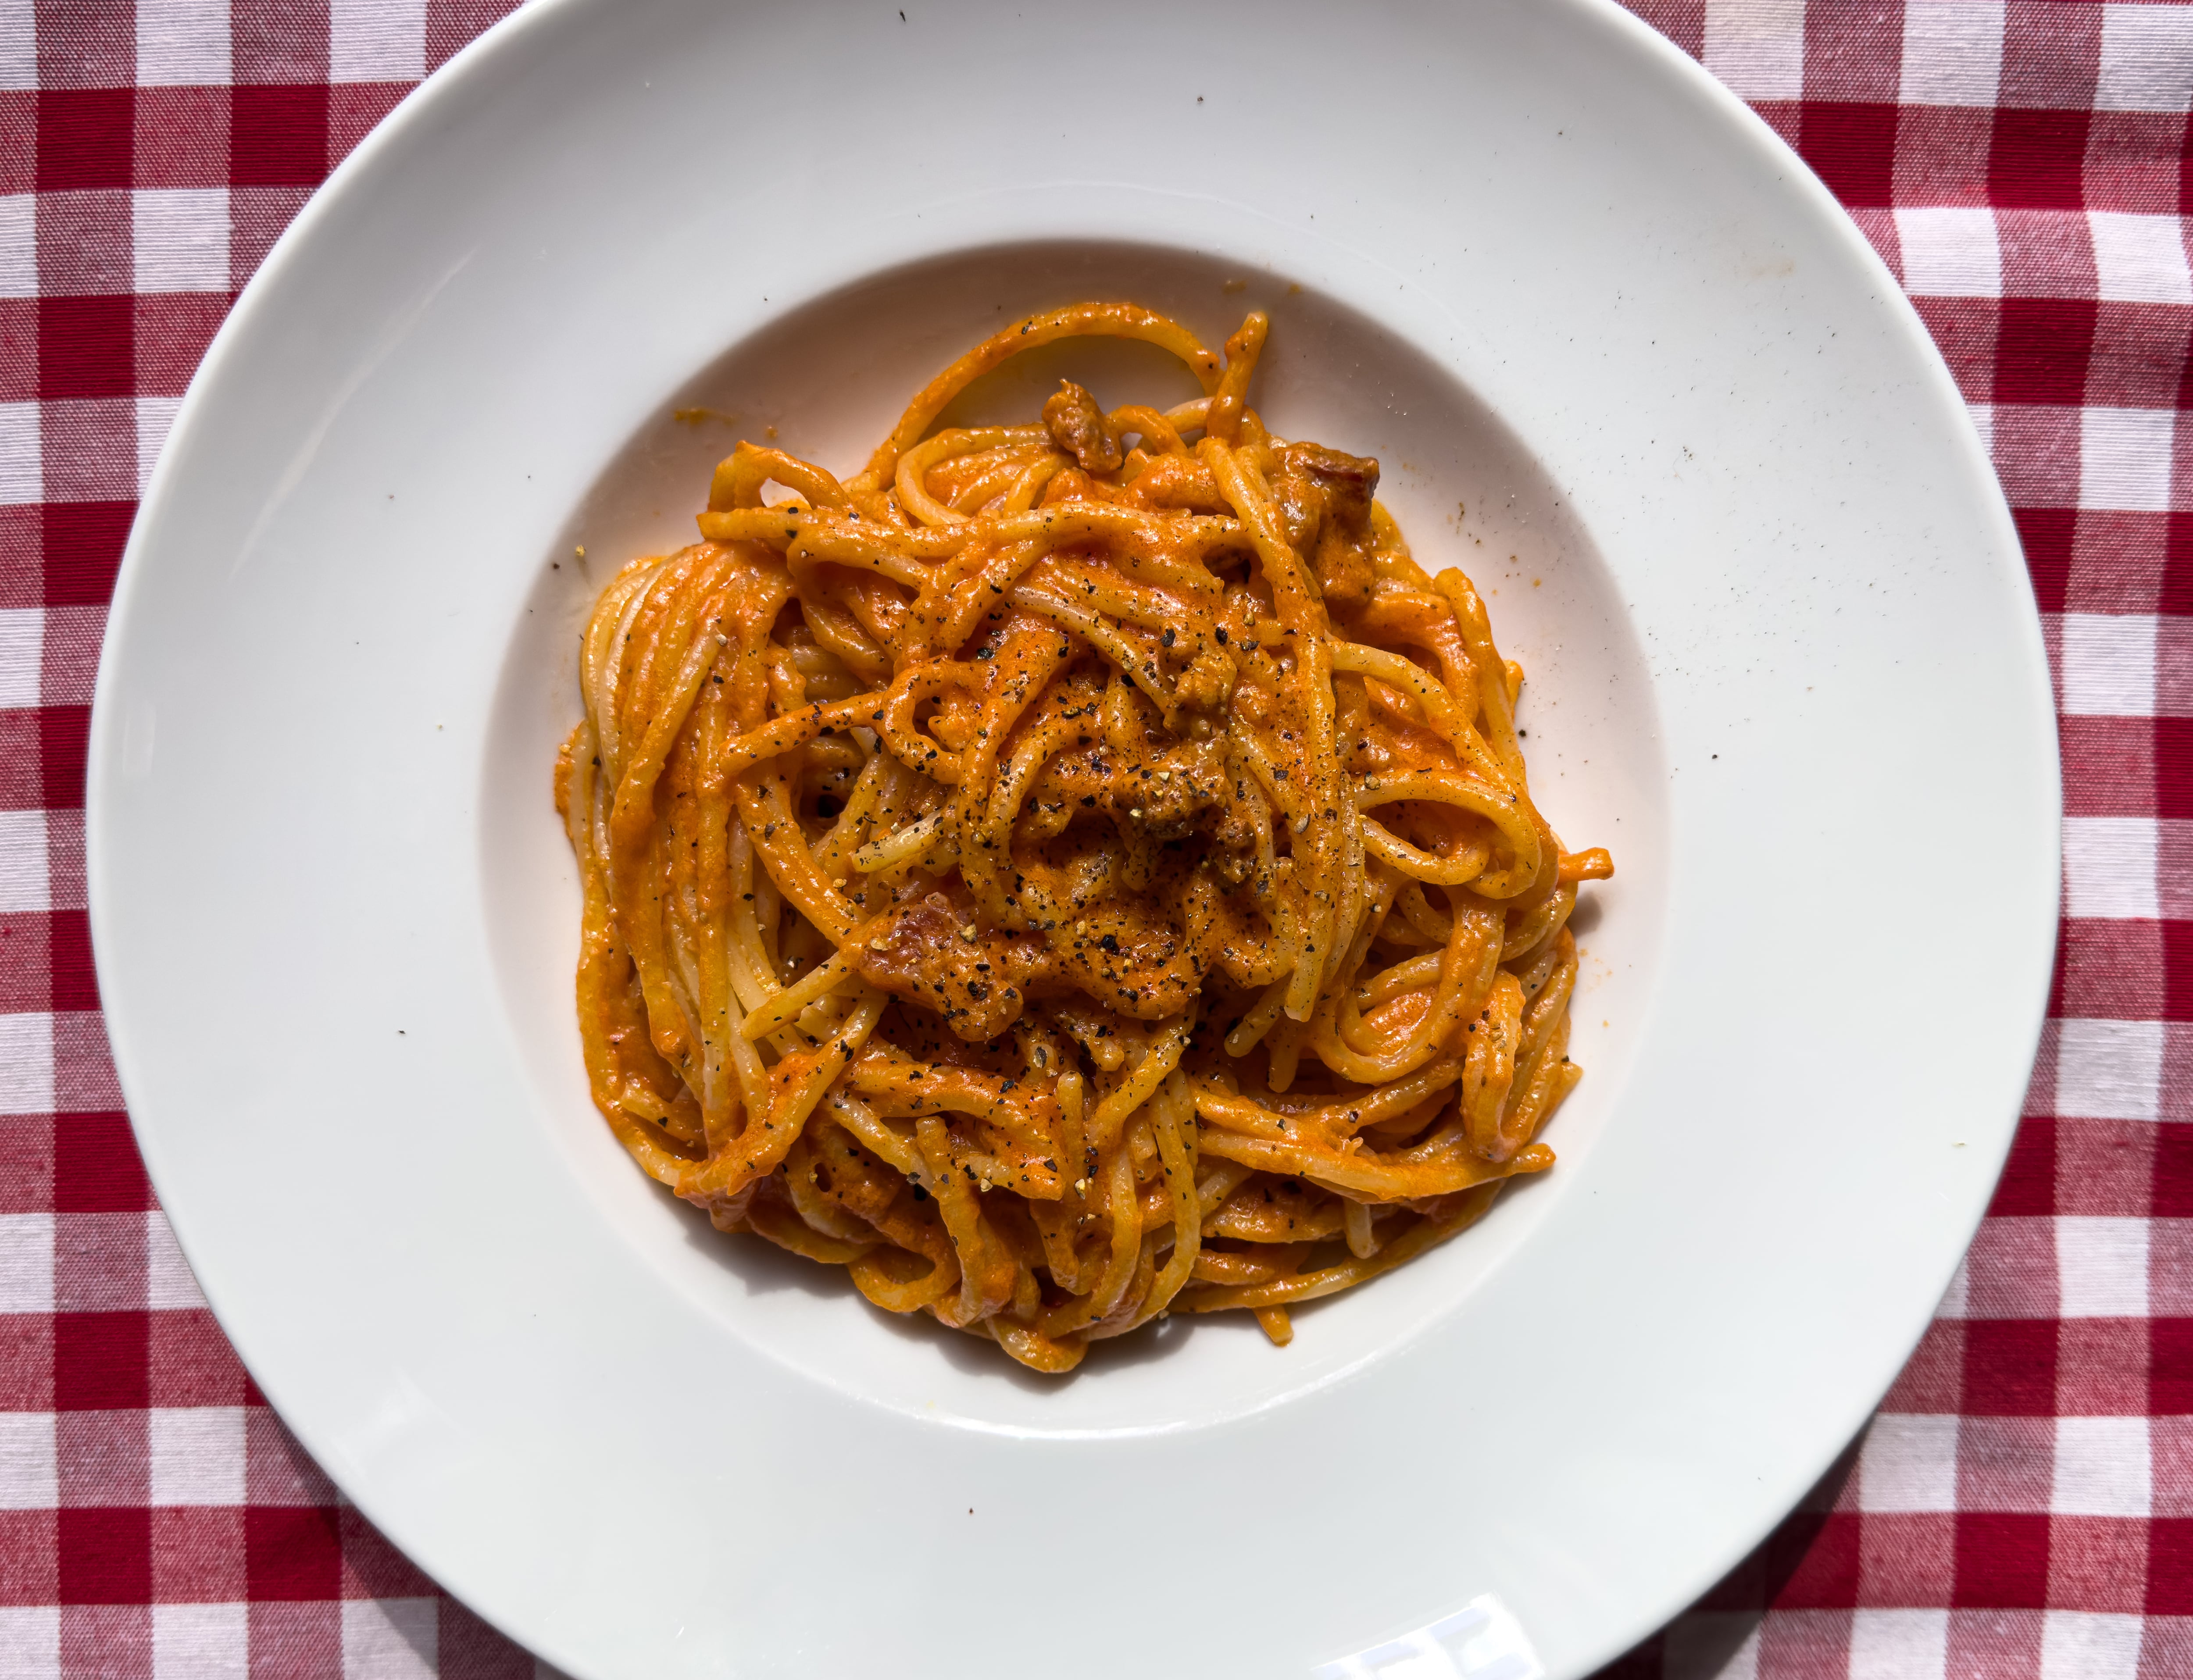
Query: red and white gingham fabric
(2023,1505)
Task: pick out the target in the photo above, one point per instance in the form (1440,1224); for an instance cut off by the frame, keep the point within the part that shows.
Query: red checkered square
(2051,55)
(1853,54)
(30,1557)
(189,1362)
(100,1264)
(2102,1367)
(2170,1378)
(99,1360)
(2047,254)
(2103,1167)
(2002,1560)
(2139,352)
(2170,1567)
(2118,560)
(181,138)
(197,1554)
(2011,1275)
(106,1555)
(84,137)
(279,43)
(1942,156)
(2037,453)
(82,241)
(2110,969)
(2134,162)
(293,1552)
(2098,1564)
(2036,160)
(2043,346)
(296,1640)
(103,1459)
(1907,1557)
(26,1364)
(2004,1463)
(278,136)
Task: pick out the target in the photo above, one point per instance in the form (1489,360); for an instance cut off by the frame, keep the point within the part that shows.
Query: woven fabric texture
(2023,1504)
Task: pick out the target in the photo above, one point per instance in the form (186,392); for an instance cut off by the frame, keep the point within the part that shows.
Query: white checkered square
(29,1473)
(31,1641)
(182,43)
(2124,458)
(26,1064)
(2102,1468)
(19,44)
(26,1262)
(1952,52)
(180,239)
(197,1455)
(1757,47)
(22,463)
(18,245)
(22,657)
(388,1638)
(1950,251)
(201,1642)
(2109,1070)
(156,419)
(2101,1265)
(26,878)
(2108,662)
(1909,1463)
(2139,259)
(2109,867)
(1899,1644)
(376,40)
(2147,59)
(2083,1645)
(170,1285)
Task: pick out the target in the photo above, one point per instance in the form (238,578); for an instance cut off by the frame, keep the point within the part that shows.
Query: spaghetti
(1067,872)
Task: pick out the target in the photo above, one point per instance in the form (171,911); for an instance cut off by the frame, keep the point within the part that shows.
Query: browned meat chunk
(977,981)
(1178,481)
(1080,429)
(1325,501)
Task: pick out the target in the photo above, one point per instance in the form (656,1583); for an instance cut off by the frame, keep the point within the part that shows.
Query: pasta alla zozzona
(1067,872)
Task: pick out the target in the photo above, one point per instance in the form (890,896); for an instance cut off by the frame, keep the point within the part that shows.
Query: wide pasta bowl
(1622,360)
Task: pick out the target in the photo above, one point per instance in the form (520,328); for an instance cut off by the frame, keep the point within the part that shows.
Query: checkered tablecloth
(2023,1505)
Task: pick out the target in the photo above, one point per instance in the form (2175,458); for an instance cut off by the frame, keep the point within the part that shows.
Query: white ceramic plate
(1622,358)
